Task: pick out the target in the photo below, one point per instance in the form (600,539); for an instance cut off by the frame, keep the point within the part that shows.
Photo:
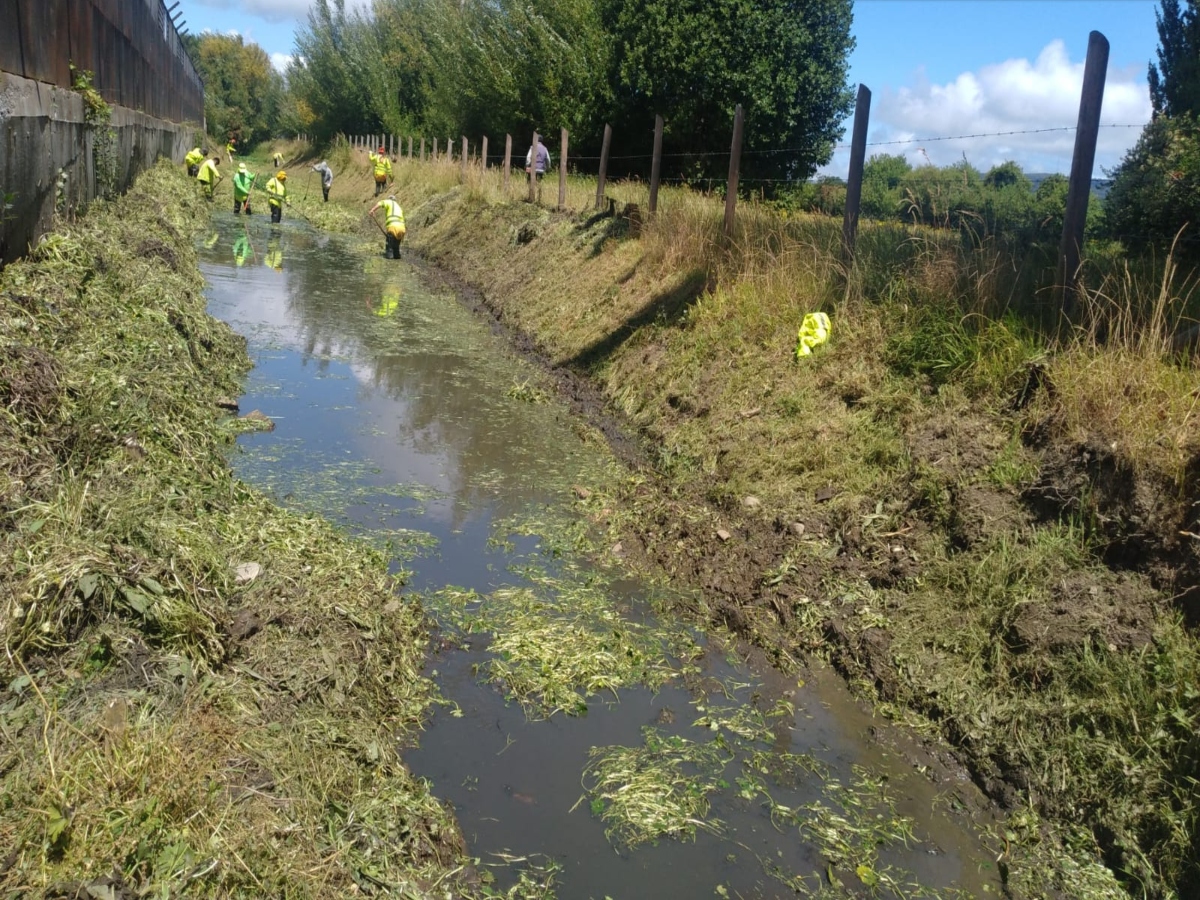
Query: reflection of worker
(194,157)
(212,240)
(390,301)
(243,181)
(383,169)
(539,163)
(274,257)
(242,249)
(277,195)
(393,225)
(326,178)
(208,176)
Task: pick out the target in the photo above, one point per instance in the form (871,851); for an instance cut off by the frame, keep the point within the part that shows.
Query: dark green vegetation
(440,67)
(243,94)
(200,694)
(1155,199)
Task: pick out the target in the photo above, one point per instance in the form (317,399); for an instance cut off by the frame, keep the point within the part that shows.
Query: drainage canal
(592,744)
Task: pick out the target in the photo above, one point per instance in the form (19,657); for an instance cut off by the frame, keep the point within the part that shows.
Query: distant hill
(1100,186)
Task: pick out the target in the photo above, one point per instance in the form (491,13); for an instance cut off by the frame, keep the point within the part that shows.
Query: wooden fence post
(464,158)
(422,149)
(449,150)
(533,154)
(656,164)
(433,155)
(483,153)
(735,161)
(507,159)
(562,172)
(1079,188)
(410,148)
(858,151)
(603,165)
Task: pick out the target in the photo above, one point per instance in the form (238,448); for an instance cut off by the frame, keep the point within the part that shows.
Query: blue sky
(936,68)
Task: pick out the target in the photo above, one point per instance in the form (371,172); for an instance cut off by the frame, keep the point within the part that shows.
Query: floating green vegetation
(536,878)
(657,790)
(560,641)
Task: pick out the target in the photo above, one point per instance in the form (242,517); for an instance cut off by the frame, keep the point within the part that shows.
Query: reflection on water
(401,415)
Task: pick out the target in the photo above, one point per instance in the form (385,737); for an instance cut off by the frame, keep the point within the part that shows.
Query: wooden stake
(483,153)
(735,161)
(858,150)
(507,160)
(562,173)
(533,155)
(603,165)
(1079,188)
(656,164)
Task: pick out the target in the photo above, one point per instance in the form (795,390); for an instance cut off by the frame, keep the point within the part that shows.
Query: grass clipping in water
(659,789)
(561,641)
(201,694)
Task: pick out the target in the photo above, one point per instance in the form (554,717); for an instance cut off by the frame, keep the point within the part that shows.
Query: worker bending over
(208,176)
(326,177)
(383,169)
(278,159)
(277,195)
(393,225)
(243,181)
(194,157)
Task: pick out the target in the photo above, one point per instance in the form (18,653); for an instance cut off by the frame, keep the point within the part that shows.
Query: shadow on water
(401,416)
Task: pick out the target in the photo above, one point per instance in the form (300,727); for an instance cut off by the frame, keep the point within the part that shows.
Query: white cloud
(281,61)
(274,10)
(1012,96)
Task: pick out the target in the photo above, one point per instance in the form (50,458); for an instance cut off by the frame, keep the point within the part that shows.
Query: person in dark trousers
(393,225)
(326,177)
(539,162)
(277,196)
(243,183)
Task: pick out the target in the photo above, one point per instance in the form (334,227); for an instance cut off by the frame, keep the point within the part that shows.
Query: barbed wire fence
(1086,131)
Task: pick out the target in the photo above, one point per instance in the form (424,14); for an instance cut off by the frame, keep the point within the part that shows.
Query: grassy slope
(168,728)
(993,533)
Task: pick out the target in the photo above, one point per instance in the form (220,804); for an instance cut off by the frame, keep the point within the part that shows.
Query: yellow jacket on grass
(814,331)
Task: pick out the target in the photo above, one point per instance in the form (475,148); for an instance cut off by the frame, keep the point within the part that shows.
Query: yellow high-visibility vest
(394,221)
(383,165)
(194,157)
(208,173)
(276,192)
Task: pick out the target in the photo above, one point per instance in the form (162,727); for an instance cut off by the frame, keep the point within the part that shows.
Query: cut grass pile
(561,641)
(203,694)
(998,513)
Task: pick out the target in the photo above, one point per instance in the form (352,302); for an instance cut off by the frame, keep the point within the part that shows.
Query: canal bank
(203,693)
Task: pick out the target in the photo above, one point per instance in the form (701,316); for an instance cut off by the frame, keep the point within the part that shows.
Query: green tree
(1175,81)
(693,61)
(242,91)
(883,175)
(1007,174)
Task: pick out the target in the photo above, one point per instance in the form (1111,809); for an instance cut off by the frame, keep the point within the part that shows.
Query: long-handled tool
(375,222)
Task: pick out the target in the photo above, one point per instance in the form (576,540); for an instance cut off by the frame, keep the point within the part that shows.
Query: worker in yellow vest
(393,225)
(229,150)
(194,157)
(208,176)
(277,195)
(243,183)
(383,169)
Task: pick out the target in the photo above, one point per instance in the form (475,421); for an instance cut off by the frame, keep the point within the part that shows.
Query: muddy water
(402,416)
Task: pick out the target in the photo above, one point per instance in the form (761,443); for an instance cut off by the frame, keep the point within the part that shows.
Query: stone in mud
(751,502)
(247,572)
(797,528)
(827,493)
(245,624)
(227,403)
(723,534)
(581,492)
(259,420)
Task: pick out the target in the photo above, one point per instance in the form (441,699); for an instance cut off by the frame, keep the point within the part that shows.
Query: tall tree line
(475,67)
